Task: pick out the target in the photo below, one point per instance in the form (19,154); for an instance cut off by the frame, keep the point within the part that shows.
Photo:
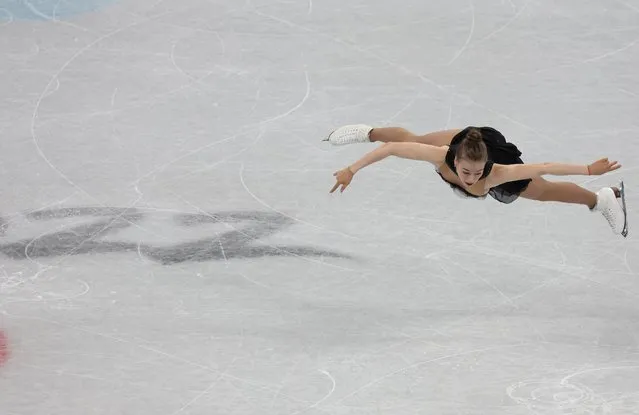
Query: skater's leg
(362,133)
(605,201)
(398,134)
(546,191)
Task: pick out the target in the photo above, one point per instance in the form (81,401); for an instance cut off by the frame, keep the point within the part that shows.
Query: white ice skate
(349,134)
(612,209)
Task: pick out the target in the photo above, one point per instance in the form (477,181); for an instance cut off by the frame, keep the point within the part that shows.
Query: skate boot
(612,210)
(349,134)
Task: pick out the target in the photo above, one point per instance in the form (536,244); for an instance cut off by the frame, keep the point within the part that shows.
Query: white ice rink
(168,244)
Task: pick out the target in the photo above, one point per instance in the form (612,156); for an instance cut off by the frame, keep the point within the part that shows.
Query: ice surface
(168,244)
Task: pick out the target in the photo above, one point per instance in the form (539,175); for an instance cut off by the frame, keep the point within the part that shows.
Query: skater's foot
(350,134)
(610,208)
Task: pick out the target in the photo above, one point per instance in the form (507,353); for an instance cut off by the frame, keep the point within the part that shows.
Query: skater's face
(468,171)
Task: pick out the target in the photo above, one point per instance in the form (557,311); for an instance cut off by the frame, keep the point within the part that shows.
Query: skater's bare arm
(510,173)
(412,151)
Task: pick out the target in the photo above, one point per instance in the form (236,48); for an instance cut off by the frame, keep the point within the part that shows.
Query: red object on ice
(4,348)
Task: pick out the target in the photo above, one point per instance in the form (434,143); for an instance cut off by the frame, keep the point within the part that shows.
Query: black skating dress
(500,151)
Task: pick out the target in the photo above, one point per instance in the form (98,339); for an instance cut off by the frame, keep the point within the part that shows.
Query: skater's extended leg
(604,201)
(398,134)
(361,133)
(546,191)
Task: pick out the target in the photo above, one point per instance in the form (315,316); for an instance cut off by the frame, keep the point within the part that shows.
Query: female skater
(478,161)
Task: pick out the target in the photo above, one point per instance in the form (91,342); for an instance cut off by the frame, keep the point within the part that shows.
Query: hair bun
(474,135)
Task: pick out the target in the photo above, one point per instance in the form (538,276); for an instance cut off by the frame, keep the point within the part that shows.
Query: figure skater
(478,161)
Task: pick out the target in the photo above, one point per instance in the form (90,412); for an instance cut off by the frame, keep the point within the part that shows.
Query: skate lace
(348,135)
(609,214)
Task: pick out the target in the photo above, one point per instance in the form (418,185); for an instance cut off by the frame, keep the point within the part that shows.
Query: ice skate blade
(622,190)
(328,137)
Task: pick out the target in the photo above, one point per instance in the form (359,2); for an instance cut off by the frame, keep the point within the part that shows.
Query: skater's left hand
(602,166)
(343,178)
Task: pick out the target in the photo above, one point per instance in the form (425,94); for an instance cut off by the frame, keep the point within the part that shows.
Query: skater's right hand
(343,178)
(602,166)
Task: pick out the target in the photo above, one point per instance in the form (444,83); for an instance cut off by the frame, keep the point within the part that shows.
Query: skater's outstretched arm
(414,151)
(513,172)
